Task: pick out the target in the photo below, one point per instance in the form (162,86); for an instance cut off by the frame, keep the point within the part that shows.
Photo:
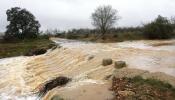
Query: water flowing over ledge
(20,76)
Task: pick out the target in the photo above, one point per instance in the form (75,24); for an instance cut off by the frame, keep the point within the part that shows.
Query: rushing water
(20,75)
(11,80)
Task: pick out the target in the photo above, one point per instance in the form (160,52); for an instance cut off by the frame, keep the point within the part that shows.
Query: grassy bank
(11,49)
(138,88)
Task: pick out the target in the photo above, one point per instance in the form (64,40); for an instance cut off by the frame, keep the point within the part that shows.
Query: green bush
(161,28)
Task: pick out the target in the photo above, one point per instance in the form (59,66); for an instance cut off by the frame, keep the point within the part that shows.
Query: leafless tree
(172,20)
(104,18)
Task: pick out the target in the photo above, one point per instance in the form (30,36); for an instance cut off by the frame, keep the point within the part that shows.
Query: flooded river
(21,76)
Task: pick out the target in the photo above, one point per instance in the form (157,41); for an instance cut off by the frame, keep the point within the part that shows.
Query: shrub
(161,28)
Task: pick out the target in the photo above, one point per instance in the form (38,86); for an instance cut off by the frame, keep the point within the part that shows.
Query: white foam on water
(82,79)
(11,69)
(139,45)
(76,84)
(144,45)
(12,60)
(152,64)
(4,96)
(70,43)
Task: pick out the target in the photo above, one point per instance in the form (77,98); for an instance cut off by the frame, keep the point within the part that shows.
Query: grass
(142,89)
(22,47)
(154,83)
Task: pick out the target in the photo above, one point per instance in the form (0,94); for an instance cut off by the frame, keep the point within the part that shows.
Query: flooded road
(20,77)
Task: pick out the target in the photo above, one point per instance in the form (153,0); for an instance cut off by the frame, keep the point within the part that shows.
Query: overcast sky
(68,14)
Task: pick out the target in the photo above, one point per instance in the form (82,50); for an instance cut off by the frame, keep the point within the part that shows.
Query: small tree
(160,28)
(22,24)
(173,21)
(104,18)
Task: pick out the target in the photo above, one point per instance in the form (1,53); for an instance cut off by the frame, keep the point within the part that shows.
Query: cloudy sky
(68,14)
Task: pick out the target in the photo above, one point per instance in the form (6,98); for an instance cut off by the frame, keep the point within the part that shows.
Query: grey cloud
(67,14)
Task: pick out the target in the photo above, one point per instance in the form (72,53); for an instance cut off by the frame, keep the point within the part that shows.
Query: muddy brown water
(20,77)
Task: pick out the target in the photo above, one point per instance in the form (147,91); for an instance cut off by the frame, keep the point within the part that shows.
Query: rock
(36,52)
(126,93)
(107,77)
(39,51)
(90,57)
(119,64)
(107,61)
(51,45)
(54,47)
(49,85)
(56,97)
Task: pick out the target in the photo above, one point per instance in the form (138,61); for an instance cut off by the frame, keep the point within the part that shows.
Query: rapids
(20,77)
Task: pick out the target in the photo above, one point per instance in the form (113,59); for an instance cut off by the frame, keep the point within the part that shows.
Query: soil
(132,89)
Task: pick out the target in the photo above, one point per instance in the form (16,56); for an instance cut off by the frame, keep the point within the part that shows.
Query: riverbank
(21,48)
(138,88)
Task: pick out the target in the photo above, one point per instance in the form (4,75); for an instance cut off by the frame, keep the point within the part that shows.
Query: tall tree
(22,24)
(104,18)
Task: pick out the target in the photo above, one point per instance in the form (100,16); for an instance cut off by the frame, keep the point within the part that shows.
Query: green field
(23,47)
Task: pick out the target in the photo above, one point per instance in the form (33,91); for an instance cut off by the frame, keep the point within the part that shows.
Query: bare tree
(172,20)
(104,18)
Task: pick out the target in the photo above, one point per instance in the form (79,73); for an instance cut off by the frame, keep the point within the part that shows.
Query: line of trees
(105,17)
(23,24)
(160,28)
